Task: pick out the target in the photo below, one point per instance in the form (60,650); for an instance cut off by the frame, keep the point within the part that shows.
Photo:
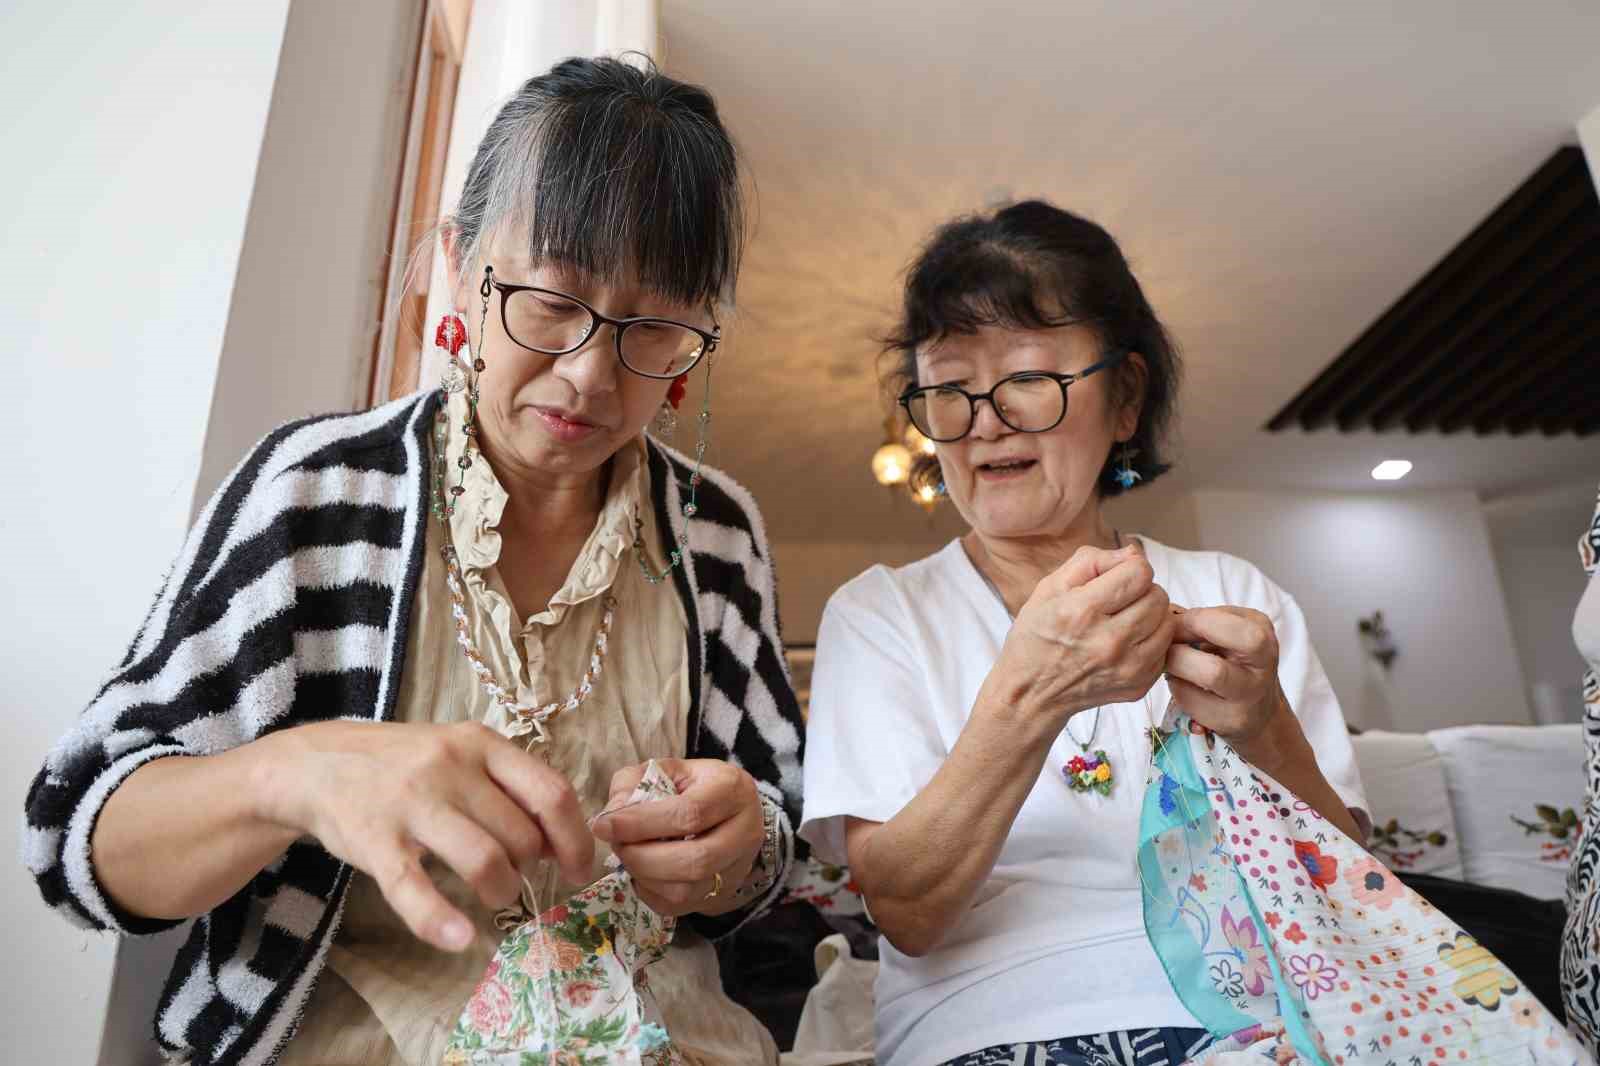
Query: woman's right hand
(1096,631)
(381,796)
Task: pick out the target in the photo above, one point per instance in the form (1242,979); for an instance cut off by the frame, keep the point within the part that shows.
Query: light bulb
(917,442)
(891,464)
(1392,469)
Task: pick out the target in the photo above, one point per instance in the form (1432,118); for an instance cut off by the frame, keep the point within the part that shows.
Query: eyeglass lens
(1028,404)
(549,322)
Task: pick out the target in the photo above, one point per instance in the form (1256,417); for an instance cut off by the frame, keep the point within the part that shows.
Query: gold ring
(716,887)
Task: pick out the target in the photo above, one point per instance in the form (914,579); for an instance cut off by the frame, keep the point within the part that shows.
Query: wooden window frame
(419,191)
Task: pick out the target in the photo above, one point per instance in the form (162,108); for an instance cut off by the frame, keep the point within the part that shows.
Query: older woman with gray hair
(406,653)
(980,720)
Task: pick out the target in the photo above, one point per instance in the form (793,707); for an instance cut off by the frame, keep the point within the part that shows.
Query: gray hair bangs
(615,170)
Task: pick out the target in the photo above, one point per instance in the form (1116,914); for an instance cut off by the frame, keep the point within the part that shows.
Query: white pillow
(1413,825)
(1512,788)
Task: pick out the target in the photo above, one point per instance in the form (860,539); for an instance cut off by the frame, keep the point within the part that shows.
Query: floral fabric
(568,988)
(826,887)
(1293,945)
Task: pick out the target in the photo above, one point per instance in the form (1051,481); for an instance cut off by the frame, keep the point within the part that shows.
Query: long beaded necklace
(692,506)
(1086,772)
(526,718)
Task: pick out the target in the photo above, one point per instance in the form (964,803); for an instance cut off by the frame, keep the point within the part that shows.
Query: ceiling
(1278,174)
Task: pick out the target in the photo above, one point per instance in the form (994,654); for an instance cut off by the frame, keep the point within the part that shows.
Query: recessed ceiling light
(1392,469)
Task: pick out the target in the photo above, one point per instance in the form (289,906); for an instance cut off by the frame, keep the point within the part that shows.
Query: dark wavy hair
(1032,265)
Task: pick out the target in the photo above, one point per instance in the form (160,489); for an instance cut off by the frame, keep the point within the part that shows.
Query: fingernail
(457,934)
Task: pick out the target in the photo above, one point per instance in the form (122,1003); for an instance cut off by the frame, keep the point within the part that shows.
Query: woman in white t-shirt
(952,697)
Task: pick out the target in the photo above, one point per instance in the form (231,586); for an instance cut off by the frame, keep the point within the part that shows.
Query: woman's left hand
(1222,668)
(687,853)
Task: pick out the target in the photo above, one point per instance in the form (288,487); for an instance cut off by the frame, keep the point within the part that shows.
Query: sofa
(1482,820)
(1491,805)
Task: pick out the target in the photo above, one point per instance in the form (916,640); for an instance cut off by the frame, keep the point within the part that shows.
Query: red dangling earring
(667,417)
(451,336)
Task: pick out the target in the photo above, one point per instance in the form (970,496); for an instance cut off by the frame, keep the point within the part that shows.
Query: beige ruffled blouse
(386,998)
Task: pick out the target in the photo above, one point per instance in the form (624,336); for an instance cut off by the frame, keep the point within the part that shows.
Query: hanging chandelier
(893,461)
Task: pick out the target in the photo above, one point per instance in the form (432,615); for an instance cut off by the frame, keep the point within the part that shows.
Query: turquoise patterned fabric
(1293,944)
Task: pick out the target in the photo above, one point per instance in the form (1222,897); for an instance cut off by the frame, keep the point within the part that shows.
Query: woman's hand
(1222,668)
(381,796)
(676,847)
(1096,631)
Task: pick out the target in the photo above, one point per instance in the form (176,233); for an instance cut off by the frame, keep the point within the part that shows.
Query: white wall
(1543,584)
(1424,559)
(810,571)
(132,135)
(1589,137)
(305,313)
(1164,511)
(1535,537)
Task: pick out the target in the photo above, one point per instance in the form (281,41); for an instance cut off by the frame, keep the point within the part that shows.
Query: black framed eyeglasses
(556,323)
(1032,401)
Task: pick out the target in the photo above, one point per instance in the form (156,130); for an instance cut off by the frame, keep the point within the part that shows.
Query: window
(419,188)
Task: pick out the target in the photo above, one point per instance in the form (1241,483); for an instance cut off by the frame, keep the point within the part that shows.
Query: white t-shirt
(1054,945)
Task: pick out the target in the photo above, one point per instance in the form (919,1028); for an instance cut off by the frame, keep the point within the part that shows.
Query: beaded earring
(692,506)
(666,421)
(452,337)
(1127,476)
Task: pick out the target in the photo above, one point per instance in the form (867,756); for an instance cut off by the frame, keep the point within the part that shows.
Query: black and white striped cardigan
(289,604)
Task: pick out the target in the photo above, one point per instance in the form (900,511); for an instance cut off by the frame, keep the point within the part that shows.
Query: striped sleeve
(214,657)
(748,712)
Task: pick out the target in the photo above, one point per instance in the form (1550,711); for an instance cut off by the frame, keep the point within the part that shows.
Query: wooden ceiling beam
(1545,399)
(1510,230)
(1584,406)
(1513,368)
(1527,289)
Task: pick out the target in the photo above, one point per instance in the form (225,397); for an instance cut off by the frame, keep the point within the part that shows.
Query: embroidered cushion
(1517,792)
(1414,826)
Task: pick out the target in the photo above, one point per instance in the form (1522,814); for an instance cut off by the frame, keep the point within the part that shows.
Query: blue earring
(1127,476)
